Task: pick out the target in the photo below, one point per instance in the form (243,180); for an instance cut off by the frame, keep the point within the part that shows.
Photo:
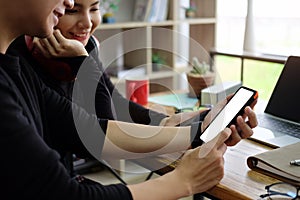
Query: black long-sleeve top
(108,102)
(30,167)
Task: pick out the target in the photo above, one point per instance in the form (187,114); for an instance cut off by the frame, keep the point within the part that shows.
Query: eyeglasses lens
(282,191)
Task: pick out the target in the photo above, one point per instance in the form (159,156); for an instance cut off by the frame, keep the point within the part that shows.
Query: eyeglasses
(281,190)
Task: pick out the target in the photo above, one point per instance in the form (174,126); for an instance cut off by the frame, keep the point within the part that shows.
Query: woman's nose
(85,21)
(69,3)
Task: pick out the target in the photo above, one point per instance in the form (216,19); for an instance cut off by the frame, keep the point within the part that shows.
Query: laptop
(279,124)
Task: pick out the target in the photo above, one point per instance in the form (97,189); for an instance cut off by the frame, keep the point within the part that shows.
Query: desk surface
(239,181)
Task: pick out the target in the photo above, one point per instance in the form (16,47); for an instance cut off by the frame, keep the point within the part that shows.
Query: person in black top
(58,70)
(59,75)
(31,113)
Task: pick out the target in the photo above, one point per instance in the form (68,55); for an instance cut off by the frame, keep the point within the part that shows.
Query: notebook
(279,124)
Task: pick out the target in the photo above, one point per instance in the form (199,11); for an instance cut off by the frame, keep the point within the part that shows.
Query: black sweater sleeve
(71,125)
(102,96)
(30,169)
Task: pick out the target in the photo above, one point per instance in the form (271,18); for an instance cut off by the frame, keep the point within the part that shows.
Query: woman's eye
(94,9)
(70,11)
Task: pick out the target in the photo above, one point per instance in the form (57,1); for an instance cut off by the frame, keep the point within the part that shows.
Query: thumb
(222,136)
(217,142)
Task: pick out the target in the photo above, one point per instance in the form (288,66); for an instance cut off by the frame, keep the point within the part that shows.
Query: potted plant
(110,6)
(199,77)
(190,12)
(157,62)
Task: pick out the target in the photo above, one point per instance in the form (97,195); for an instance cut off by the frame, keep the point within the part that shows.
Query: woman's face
(81,21)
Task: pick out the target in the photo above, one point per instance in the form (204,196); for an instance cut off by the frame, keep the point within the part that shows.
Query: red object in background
(137,90)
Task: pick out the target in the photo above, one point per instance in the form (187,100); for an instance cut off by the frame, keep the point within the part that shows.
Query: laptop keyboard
(279,126)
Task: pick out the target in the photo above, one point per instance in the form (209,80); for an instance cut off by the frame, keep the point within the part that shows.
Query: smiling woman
(80,22)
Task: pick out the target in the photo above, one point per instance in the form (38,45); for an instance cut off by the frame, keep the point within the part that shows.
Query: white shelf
(153,75)
(126,25)
(198,21)
(161,74)
(201,30)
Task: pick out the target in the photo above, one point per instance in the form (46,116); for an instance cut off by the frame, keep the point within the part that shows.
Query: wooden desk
(239,181)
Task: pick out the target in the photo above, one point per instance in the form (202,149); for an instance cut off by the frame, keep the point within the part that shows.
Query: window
(276,25)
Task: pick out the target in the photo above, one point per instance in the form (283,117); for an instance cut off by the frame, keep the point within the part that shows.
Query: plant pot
(198,82)
(190,13)
(156,67)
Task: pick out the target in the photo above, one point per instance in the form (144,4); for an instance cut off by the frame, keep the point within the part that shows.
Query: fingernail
(240,119)
(247,110)
(227,130)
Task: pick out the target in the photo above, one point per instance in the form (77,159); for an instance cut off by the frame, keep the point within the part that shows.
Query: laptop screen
(285,99)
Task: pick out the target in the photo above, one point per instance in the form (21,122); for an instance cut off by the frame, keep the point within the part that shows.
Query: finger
(221,104)
(251,117)
(46,44)
(187,115)
(40,48)
(39,45)
(223,148)
(189,151)
(229,96)
(58,36)
(235,135)
(53,41)
(220,139)
(246,130)
(214,144)
(223,136)
(36,44)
